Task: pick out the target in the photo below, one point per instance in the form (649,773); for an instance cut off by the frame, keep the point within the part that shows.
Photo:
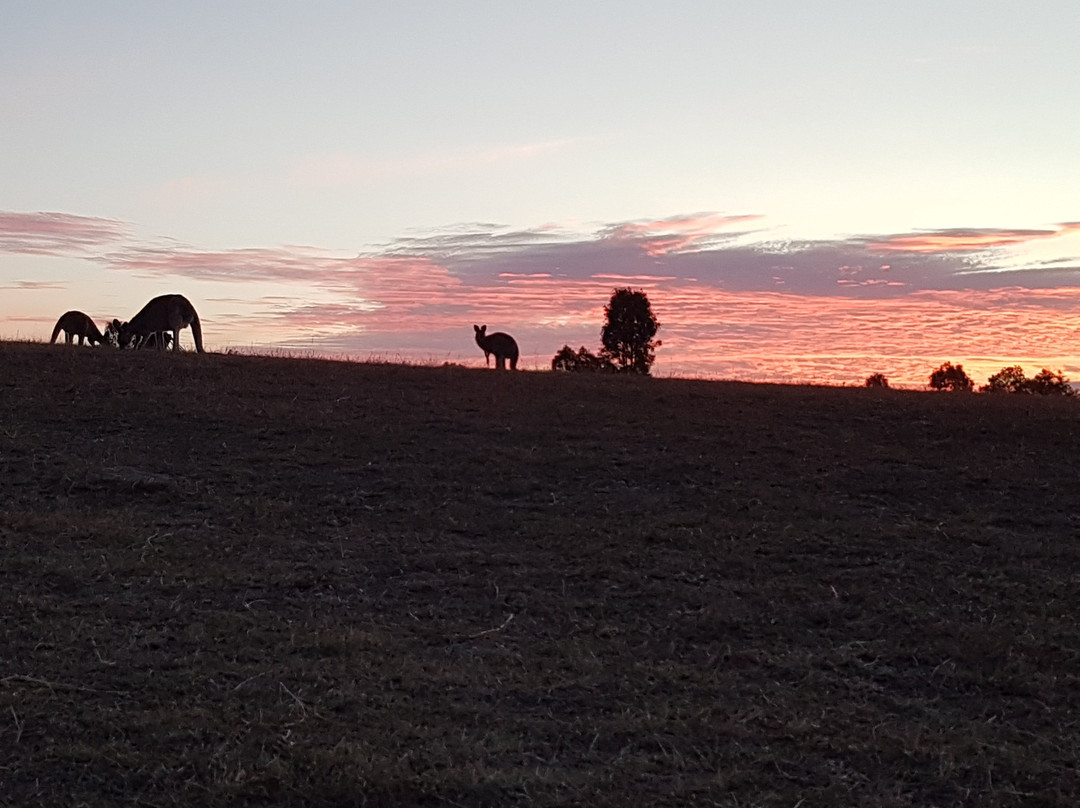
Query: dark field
(233,581)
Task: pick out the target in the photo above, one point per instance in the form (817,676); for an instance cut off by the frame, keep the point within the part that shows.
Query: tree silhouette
(584,361)
(1007,380)
(1012,380)
(877,380)
(952,378)
(1046,383)
(628,332)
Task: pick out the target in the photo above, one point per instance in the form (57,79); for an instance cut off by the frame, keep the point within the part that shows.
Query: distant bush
(952,378)
(877,380)
(1046,383)
(1006,380)
(583,361)
(1012,380)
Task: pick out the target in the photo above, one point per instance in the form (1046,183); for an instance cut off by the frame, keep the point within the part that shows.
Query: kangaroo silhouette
(156,339)
(76,324)
(500,344)
(165,313)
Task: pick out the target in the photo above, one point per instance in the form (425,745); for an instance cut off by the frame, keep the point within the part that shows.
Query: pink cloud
(632,279)
(45,233)
(34,286)
(269,264)
(677,234)
(966,240)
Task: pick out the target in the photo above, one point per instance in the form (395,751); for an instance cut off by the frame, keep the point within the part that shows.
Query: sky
(806,191)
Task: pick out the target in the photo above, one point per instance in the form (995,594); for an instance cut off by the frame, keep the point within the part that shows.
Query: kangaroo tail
(56,330)
(196,331)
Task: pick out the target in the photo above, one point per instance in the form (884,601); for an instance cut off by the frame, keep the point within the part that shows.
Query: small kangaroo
(76,324)
(155,340)
(165,313)
(158,340)
(500,344)
(112,333)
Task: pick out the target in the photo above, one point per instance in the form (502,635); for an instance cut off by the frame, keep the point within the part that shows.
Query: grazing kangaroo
(500,344)
(76,324)
(155,340)
(112,333)
(166,313)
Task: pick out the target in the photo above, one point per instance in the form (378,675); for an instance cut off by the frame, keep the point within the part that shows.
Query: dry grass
(233,580)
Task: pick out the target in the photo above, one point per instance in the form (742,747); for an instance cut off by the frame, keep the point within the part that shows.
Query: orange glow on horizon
(706,332)
(851,313)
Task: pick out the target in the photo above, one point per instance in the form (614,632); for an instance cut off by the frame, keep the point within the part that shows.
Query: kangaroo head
(111,332)
(479,329)
(124,335)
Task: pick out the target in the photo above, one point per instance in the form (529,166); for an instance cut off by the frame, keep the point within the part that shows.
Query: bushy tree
(583,361)
(1007,380)
(1013,380)
(952,378)
(877,380)
(628,331)
(1046,383)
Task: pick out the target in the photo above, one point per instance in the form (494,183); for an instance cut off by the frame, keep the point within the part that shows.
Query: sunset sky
(807,191)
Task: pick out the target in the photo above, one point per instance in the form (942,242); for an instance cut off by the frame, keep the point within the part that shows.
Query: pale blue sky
(348,128)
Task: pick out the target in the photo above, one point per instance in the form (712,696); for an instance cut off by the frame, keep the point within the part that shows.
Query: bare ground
(245,581)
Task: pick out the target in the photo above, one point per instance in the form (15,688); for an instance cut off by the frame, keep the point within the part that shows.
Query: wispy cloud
(248,264)
(714,249)
(33,286)
(961,240)
(45,233)
(695,232)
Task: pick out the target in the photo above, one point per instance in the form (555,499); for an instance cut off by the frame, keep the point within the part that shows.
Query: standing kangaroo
(165,313)
(76,324)
(500,344)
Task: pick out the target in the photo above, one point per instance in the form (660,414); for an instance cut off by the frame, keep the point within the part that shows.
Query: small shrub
(583,361)
(1012,380)
(952,378)
(877,380)
(1046,383)
(1007,380)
